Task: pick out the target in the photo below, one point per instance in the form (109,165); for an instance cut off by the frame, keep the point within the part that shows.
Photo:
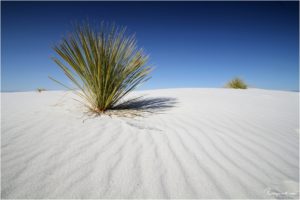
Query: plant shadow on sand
(143,106)
(140,107)
(151,105)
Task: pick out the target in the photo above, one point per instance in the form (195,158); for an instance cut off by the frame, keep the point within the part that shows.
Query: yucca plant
(236,83)
(40,90)
(104,64)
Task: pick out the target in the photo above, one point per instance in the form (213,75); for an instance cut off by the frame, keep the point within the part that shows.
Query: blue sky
(191,44)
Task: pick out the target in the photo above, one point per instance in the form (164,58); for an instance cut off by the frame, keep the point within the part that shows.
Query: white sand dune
(197,143)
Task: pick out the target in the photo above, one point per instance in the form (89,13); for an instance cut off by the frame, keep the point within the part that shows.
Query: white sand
(214,143)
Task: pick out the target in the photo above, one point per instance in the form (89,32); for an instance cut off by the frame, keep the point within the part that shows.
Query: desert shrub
(105,64)
(236,83)
(40,89)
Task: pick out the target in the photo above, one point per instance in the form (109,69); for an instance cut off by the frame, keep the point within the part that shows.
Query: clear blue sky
(191,44)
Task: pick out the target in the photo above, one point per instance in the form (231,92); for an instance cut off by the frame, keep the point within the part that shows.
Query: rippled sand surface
(197,143)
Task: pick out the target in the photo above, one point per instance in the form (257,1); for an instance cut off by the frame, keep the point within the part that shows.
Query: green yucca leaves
(236,83)
(105,64)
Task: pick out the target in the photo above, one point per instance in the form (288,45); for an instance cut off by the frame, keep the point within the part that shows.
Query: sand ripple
(214,143)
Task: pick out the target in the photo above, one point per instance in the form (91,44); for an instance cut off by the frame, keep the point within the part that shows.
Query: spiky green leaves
(105,64)
(236,83)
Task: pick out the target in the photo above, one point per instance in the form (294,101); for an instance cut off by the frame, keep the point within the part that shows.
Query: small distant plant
(236,83)
(104,64)
(40,89)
